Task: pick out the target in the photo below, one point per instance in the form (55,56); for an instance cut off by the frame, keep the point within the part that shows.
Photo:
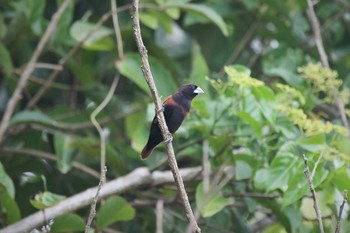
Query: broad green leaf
(341,179)
(31,117)
(137,130)
(260,179)
(6,182)
(298,185)
(283,62)
(149,20)
(199,69)
(80,29)
(210,203)
(202,10)
(263,93)
(286,127)
(64,151)
(45,199)
(243,170)
(9,207)
(68,222)
(130,67)
(104,44)
(6,61)
(114,209)
(312,144)
(281,170)
(252,122)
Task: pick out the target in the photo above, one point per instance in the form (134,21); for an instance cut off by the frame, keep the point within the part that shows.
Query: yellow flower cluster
(242,79)
(322,80)
(291,92)
(310,126)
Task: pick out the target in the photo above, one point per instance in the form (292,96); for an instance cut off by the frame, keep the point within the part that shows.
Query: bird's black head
(190,90)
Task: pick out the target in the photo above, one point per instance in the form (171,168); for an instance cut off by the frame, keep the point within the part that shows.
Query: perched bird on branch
(176,108)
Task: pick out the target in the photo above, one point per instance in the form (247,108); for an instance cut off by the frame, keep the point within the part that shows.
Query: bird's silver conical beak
(198,90)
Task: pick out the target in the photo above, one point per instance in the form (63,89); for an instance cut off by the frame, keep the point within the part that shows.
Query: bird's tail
(146,152)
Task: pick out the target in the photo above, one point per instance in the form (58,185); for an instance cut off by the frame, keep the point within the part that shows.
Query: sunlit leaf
(31,117)
(211,202)
(130,67)
(68,222)
(114,209)
(6,182)
(97,40)
(64,151)
(45,199)
(9,207)
(202,10)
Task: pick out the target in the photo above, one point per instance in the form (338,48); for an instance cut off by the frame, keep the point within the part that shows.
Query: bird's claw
(169,139)
(160,110)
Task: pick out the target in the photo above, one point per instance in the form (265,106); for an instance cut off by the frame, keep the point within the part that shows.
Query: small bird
(176,108)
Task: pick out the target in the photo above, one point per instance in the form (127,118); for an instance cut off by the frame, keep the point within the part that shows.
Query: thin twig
(316,165)
(324,60)
(98,126)
(92,213)
(159,215)
(118,35)
(103,139)
(345,200)
(313,193)
(48,156)
(11,105)
(160,116)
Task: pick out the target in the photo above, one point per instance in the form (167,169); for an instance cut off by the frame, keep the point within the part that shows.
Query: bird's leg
(169,139)
(160,110)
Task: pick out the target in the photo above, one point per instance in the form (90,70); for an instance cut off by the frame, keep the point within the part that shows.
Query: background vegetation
(268,102)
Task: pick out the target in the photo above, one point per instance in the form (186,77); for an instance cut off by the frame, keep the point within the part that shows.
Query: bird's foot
(160,110)
(169,139)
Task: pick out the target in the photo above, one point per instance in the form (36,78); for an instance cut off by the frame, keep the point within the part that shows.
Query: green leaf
(210,203)
(312,144)
(252,122)
(201,10)
(114,209)
(31,117)
(149,20)
(96,41)
(6,182)
(283,62)
(68,222)
(136,129)
(130,67)
(64,151)
(263,93)
(45,199)
(6,61)
(298,185)
(243,170)
(341,179)
(260,179)
(200,69)
(281,170)
(9,207)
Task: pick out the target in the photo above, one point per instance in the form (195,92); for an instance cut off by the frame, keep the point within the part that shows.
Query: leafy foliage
(267,102)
